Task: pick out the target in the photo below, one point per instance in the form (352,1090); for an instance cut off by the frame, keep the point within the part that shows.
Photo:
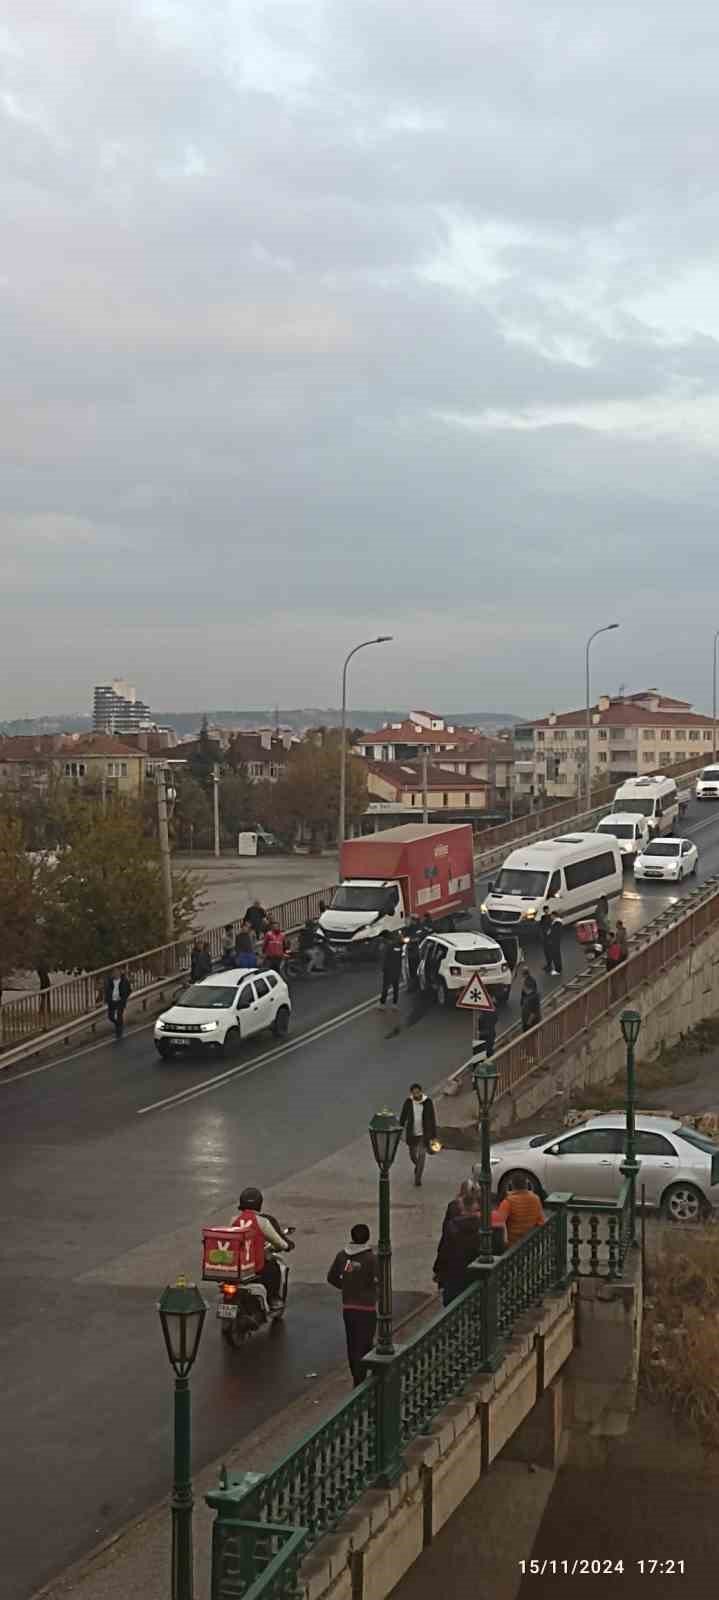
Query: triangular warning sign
(475,996)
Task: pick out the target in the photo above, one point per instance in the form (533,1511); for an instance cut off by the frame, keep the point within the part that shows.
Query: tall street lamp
(714,701)
(182,1314)
(385,1131)
(484,1079)
(587,760)
(630,1022)
(383,638)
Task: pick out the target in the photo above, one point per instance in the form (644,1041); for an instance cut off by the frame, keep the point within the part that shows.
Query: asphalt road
(107,1150)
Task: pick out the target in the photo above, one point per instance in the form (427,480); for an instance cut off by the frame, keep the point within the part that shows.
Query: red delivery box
(221,1254)
(587,932)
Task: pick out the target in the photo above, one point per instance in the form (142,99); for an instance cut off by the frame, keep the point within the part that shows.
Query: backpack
(614,951)
(251,1253)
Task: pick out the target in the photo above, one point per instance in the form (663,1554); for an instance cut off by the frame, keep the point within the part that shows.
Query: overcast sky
(324,318)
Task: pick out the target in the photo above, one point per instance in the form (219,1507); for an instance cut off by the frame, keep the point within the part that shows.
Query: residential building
(492,760)
(629,735)
(405,741)
(263,754)
(116,708)
(93,761)
(399,787)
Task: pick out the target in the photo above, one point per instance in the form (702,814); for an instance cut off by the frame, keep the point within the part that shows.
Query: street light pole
(630,1022)
(587,760)
(385,1133)
(216,805)
(714,701)
(383,638)
(182,1314)
(425,801)
(485,1087)
(163,835)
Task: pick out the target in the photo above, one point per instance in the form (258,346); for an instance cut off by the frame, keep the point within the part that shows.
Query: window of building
(679,735)
(559,734)
(445,799)
(602,733)
(665,735)
(123,769)
(693,735)
(650,757)
(647,733)
(603,755)
(580,733)
(467,800)
(540,736)
(74,769)
(413,797)
(708,736)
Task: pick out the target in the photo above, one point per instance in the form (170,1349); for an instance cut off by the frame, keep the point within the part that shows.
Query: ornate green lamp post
(182,1314)
(484,1079)
(631,1022)
(385,1132)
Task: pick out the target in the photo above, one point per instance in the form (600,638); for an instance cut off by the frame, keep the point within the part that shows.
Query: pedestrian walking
(204,965)
(521,1209)
(195,960)
(227,959)
(354,1273)
(529,1002)
(44,981)
(257,918)
(117,993)
(419,1120)
(391,967)
(554,944)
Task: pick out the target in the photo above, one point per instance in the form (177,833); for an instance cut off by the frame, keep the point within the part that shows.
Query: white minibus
(655,798)
(566,875)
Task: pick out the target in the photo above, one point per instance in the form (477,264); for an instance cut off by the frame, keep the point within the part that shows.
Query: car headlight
(483,908)
(161,1026)
(207,1027)
(529,916)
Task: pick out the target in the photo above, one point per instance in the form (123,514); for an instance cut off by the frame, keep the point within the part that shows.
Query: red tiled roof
(414,733)
(96,744)
(409,776)
(622,715)
(483,749)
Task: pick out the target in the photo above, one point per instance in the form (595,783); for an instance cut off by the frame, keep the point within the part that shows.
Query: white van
(655,798)
(566,875)
(630,831)
(707,787)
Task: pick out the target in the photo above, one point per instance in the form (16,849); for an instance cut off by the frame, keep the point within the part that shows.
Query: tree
(192,816)
(103,899)
(307,794)
(237,802)
(18,902)
(204,758)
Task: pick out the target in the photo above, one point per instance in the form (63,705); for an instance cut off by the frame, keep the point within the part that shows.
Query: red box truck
(390,877)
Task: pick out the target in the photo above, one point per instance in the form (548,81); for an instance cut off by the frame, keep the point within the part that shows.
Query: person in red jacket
(275,947)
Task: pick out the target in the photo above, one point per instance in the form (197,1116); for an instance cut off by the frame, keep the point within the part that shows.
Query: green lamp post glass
(182,1314)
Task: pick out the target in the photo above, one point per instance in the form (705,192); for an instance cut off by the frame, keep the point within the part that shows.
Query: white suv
(707,784)
(222,1010)
(448,960)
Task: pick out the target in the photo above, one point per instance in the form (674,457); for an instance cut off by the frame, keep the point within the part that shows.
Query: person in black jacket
(117,993)
(529,1001)
(354,1272)
(391,967)
(554,946)
(419,1120)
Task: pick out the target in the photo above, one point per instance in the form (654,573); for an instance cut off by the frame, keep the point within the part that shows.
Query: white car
(631,832)
(679,1169)
(667,860)
(707,784)
(219,1012)
(449,960)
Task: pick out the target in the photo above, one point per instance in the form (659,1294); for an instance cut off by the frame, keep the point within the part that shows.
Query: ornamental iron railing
(256,1559)
(599,1233)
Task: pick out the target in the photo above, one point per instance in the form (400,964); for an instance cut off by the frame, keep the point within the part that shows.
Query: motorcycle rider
(265,1230)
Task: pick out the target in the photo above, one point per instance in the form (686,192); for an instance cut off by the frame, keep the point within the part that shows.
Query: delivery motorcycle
(243,1305)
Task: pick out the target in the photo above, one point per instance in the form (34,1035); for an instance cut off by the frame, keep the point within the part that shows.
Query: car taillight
(228,1289)
(455,972)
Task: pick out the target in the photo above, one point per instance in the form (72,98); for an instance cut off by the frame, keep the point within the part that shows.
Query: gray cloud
(325,318)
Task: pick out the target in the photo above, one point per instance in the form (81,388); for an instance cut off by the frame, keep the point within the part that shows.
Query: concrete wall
(602,1372)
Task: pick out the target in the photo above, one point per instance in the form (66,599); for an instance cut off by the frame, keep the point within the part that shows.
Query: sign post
(476,999)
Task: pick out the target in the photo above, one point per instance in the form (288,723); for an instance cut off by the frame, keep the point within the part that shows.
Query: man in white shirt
(418,1118)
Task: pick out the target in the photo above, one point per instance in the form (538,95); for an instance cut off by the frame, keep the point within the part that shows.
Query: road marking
(243,1070)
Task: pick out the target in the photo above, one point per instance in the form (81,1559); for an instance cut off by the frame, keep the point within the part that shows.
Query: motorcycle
(242,1308)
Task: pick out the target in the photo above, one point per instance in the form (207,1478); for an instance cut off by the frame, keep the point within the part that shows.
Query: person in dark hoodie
(459,1246)
(529,1002)
(354,1273)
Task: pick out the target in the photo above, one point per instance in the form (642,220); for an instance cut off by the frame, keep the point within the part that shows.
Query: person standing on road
(415,938)
(545,928)
(391,967)
(117,993)
(554,943)
(246,946)
(601,917)
(354,1273)
(204,965)
(529,1002)
(419,1120)
(275,947)
(195,960)
(257,918)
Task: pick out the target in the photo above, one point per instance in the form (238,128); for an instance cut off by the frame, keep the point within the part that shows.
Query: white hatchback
(222,1010)
(667,860)
(448,961)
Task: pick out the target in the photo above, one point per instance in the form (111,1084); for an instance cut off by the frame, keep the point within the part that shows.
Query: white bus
(655,798)
(566,875)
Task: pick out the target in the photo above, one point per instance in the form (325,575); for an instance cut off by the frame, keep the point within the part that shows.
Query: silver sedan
(679,1168)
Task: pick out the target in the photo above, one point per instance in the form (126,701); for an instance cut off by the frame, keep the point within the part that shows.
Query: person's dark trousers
(360,1329)
(388,982)
(412,970)
(116,1014)
(556,952)
(418,1157)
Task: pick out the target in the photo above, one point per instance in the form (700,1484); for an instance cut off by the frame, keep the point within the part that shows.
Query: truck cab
(362,910)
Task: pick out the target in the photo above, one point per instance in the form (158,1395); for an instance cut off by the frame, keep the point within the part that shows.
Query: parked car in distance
(679,1168)
(667,859)
(221,1011)
(449,960)
(631,832)
(707,784)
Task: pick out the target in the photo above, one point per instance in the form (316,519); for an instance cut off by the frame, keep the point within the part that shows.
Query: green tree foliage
(237,803)
(307,795)
(203,759)
(102,900)
(191,820)
(18,900)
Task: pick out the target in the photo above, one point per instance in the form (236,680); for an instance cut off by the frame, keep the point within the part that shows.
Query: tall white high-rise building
(116,708)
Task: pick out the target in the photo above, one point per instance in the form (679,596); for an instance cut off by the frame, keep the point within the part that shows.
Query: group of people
(614,942)
(398,947)
(258,940)
(354,1270)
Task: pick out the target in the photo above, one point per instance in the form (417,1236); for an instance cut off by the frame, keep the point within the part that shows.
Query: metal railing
(599,1233)
(312,1489)
(81,996)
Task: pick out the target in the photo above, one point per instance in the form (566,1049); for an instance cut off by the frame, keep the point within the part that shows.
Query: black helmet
(251,1200)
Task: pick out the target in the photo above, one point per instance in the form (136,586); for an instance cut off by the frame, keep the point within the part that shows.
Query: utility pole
(216,805)
(425,802)
(164,838)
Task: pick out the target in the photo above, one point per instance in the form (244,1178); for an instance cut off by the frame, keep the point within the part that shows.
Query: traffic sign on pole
(475,996)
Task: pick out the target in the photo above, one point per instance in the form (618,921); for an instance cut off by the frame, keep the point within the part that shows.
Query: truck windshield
(356,897)
(518,880)
(643,808)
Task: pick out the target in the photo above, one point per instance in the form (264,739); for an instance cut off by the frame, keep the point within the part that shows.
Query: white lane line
(194,1091)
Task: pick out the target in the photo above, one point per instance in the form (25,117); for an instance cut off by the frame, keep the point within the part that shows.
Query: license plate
(182,1042)
(227,1311)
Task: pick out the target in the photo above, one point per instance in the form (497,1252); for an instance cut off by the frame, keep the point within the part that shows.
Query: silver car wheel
(683,1203)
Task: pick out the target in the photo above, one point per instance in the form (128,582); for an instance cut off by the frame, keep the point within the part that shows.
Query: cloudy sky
(322,318)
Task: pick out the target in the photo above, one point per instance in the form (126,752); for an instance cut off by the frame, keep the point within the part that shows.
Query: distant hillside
(297,719)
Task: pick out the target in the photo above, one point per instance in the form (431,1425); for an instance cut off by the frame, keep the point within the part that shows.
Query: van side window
(582,872)
(555,884)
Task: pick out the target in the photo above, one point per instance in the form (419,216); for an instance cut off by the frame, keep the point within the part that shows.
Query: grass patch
(680,1343)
